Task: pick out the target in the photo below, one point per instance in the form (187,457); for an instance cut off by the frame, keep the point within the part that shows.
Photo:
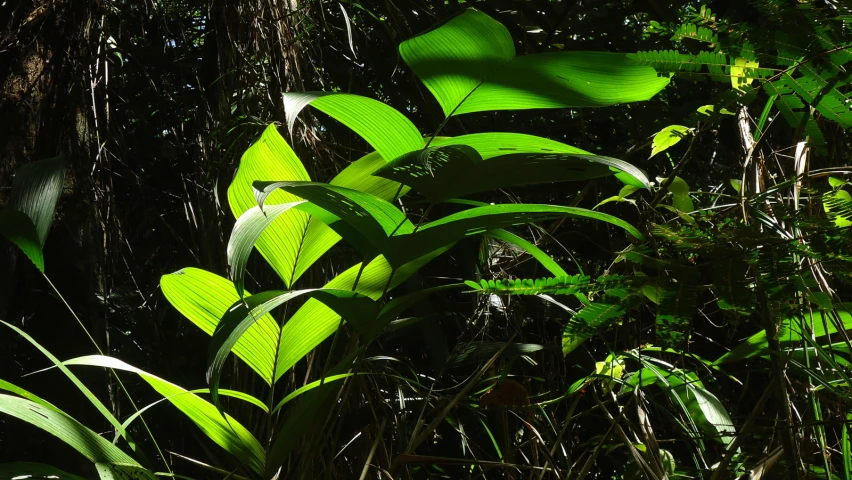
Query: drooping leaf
(790,332)
(537,253)
(685,389)
(383,127)
(452,171)
(469,65)
(204,298)
(19,229)
(32,202)
(307,388)
(95,401)
(480,351)
(357,309)
(248,229)
(364,220)
(224,430)
(64,427)
(667,138)
(270,158)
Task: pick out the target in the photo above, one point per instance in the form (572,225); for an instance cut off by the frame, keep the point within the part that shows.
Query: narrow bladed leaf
(224,430)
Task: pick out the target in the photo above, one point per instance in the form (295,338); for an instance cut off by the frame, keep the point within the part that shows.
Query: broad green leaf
(35,191)
(739,70)
(357,309)
(32,202)
(495,144)
(790,332)
(19,229)
(469,65)
(736,184)
(248,229)
(667,138)
(383,127)
(836,182)
(30,470)
(64,427)
(224,430)
(204,298)
(481,219)
(685,389)
(270,158)
(76,381)
(364,220)
(452,171)
(537,253)
(314,321)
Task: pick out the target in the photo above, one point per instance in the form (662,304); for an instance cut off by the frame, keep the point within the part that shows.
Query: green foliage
(469,65)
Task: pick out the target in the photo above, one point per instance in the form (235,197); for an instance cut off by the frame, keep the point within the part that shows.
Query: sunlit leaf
(224,430)
(469,65)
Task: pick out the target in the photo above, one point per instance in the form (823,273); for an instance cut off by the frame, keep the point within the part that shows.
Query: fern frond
(587,322)
(550,285)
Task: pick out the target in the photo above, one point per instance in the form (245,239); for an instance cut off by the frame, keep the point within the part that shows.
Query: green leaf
(35,191)
(64,427)
(295,241)
(32,202)
(537,253)
(224,430)
(30,470)
(586,323)
(314,321)
(469,65)
(357,309)
(736,184)
(306,388)
(668,137)
(76,381)
(19,229)
(204,298)
(452,171)
(383,127)
(625,191)
(790,332)
(122,471)
(739,71)
(685,389)
(270,158)
(836,182)
(364,220)
(710,109)
(248,229)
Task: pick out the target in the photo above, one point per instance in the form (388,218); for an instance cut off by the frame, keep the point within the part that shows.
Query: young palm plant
(469,65)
